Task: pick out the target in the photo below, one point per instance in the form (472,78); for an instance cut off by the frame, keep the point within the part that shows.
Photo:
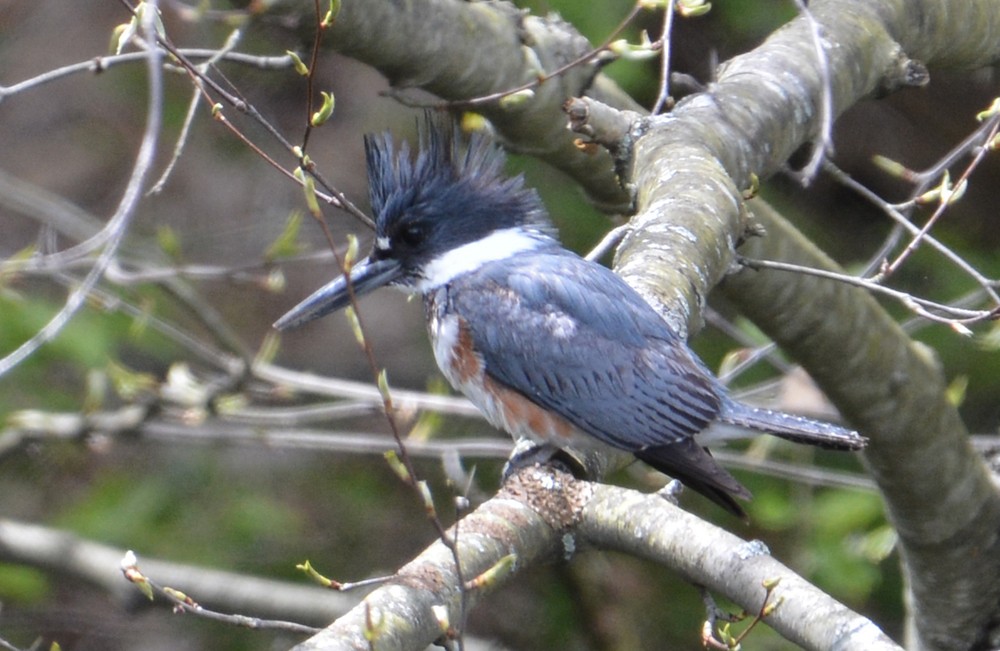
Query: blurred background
(66,150)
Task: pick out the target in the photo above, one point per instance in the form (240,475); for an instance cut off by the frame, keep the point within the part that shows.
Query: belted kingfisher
(546,344)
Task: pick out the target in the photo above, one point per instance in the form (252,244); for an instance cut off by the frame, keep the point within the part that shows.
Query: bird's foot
(528,453)
(672,492)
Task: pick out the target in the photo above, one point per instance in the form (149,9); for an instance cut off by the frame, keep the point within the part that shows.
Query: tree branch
(689,166)
(649,526)
(938,493)
(688,170)
(71,557)
(545,514)
(471,49)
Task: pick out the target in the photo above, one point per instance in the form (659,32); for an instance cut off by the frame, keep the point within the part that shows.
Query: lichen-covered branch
(688,172)
(648,526)
(463,50)
(938,492)
(545,514)
(691,165)
(526,519)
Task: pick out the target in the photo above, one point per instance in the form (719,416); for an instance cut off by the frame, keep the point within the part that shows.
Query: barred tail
(793,428)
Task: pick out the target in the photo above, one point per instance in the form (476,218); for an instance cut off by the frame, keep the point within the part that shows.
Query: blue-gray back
(575,338)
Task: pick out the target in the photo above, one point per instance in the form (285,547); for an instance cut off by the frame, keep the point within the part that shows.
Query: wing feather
(573,337)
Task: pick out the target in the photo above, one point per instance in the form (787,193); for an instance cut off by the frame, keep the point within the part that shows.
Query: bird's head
(439,214)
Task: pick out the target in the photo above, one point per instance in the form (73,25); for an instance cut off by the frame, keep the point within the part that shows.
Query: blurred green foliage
(23,585)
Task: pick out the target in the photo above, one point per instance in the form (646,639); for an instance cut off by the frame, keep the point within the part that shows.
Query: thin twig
(928,309)
(206,85)
(988,285)
(610,240)
(186,604)
(663,99)
(543,77)
(311,75)
(102,63)
(982,135)
(234,38)
(118,225)
(823,147)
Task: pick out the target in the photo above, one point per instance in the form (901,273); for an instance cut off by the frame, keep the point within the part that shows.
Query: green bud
(178,595)
(325,111)
(128,384)
(630,52)
(130,568)
(428,499)
(693,8)
(169,242)
(499,570)
(516,99)
(267,352)
(890,166)
(298,64)
(352,251)
(352,320)
(771,607)
(440,612)
(331,14)
(993,109)
(120,35)
(311,572)
(309,189)
(286,244)
(397,466)
(375,625)
(383,386)
(955,393)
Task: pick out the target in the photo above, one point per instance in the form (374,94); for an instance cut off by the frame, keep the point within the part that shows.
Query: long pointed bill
(365,276)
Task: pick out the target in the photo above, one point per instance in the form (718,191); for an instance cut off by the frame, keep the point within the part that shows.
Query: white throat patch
(469,257)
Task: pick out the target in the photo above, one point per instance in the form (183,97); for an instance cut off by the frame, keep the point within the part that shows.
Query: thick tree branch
(526,519)
(938,492)
(472,49)
(689,166)
(650,527)
(690,214)
(544,514)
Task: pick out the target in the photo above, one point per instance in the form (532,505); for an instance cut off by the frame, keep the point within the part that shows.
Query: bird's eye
(411,234)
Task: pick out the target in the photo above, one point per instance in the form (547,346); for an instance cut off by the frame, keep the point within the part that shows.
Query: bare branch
(651,527)
(544,514)
(73,558)
(111,236)
(953,511)
(475,49)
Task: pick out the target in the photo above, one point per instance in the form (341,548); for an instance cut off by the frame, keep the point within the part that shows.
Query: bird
(548,345)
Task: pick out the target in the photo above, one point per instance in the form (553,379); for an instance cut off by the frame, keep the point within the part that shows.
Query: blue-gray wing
(573,337)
